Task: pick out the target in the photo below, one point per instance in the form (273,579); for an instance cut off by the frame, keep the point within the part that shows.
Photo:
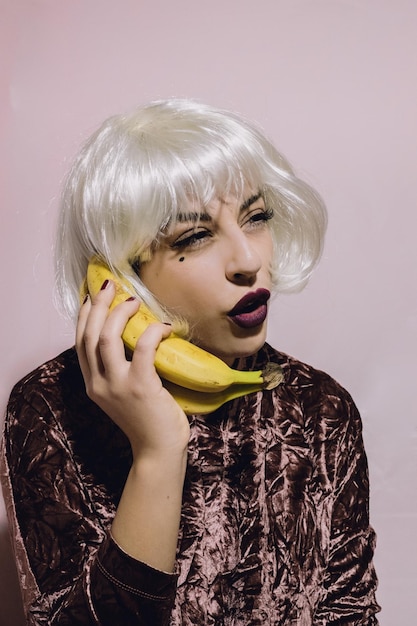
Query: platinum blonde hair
(135,173)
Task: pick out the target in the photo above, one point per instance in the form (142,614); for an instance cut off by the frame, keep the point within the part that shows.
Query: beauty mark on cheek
(181,259)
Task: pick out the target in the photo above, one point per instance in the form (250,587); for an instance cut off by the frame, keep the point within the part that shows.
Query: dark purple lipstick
(251,310)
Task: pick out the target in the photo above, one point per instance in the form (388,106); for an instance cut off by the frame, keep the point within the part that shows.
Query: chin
(239,349)
(235,343)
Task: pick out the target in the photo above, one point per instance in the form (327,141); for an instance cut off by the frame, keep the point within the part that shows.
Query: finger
(94,321)
(79,334)
(143,359)
(112,350)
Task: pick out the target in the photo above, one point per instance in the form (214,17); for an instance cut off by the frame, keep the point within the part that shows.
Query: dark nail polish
(86,298)
(130,299)
(104,285)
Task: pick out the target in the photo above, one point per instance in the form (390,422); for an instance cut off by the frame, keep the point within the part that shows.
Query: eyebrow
(251,200)
(193,217)
(206,217)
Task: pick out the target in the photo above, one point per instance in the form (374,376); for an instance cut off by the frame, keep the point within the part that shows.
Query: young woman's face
(214,269)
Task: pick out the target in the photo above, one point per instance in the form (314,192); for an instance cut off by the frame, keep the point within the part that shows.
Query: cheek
(194,293)
(267,253)
(182,288)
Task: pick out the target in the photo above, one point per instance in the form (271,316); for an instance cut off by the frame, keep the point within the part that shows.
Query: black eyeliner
(188,239)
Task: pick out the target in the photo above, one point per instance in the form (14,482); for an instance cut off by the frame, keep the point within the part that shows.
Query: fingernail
(130,299)
(86,298)
(167,323)
(104,285)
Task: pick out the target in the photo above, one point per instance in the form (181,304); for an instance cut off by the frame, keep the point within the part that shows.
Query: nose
(243,259)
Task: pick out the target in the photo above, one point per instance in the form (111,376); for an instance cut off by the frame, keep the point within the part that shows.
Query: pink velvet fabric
(274,530)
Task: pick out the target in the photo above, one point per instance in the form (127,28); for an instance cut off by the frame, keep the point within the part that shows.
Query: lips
(251,310)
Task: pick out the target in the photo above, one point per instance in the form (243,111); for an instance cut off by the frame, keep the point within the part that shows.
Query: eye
(191,239)
(257,217)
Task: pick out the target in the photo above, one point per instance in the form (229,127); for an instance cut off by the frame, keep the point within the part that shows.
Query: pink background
(333,82)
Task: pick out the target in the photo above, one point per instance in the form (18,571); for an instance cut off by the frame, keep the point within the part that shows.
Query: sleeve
(350,581)
(71,570)
(117,589)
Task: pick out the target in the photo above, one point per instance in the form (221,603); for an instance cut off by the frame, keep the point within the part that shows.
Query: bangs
(209,173)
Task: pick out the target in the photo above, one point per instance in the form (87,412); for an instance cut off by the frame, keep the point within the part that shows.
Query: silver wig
(136,172)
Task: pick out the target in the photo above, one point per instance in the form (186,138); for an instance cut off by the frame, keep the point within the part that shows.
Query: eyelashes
(192,239)
(261,216)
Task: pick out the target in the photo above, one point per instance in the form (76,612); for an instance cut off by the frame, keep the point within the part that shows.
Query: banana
(184,365)
(199,402)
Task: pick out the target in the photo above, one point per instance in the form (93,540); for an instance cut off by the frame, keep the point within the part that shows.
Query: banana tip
(272,375)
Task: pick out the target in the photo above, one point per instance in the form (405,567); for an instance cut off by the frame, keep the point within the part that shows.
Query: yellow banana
(199,402)
(178,361)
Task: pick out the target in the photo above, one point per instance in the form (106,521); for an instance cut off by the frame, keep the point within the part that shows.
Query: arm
(73,571)
(350,582)
(69,566)
(147,520)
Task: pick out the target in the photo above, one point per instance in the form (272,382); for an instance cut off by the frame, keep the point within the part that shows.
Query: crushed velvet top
(274,527)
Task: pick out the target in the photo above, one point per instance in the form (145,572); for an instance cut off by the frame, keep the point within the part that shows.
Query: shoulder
(302,376)
(43,389)
(50,421)
(49,405)
(49,371)
(313,393)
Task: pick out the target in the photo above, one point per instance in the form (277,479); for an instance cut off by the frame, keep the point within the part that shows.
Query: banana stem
(272,376)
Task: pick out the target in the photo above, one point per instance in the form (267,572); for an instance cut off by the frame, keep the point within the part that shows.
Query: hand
(130,392)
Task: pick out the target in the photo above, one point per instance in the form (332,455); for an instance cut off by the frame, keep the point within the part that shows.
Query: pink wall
(334,84)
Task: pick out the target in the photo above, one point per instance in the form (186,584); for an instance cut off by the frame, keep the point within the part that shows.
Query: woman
(126,511)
